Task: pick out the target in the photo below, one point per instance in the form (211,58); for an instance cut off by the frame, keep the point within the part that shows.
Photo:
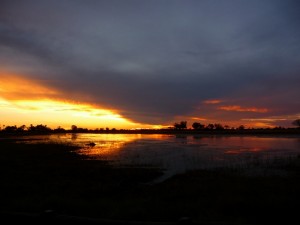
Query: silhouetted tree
(181,125)
(197,126)
(176,125)
(31,127)
(226,127)
(42,128)
(296,123)
(241,127)
(210,126)
(277,128)
(39,128)
(21,128)
(59,129)
(10,128)
(219,126)
(82,130)
(74,128)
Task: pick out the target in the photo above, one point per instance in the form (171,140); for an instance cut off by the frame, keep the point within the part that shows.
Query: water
(178,154)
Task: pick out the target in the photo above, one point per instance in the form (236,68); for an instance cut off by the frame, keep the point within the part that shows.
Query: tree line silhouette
(45,129)
(177,127)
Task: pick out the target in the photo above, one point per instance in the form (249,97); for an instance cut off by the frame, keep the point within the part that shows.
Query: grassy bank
(38,177)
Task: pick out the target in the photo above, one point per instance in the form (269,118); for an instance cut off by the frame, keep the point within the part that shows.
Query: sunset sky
(148,64)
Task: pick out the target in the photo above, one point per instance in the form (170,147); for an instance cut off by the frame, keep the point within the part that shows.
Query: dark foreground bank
(50,182)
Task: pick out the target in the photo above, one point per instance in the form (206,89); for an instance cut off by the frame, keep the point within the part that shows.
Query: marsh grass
(40,176)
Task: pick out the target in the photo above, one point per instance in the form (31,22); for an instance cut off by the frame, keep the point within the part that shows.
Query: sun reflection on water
(104,146)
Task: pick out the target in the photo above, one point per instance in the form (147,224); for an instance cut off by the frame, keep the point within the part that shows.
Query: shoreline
(250,132)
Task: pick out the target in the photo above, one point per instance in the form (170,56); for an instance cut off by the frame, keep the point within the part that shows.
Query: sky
(148,64)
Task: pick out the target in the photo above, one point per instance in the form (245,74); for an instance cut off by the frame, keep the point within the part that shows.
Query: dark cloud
(156,60)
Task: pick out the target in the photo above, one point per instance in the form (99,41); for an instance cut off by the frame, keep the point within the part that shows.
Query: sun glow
(24,101)
(108,146)
(59,113)
(17,87)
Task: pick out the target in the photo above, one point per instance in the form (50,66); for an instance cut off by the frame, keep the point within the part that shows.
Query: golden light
(24,101)
(57,113)
(108,146)
(17,87)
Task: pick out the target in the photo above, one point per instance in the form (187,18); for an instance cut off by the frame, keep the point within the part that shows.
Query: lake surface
(180,153)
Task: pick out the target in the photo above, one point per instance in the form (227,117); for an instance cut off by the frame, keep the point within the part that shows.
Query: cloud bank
(154,61)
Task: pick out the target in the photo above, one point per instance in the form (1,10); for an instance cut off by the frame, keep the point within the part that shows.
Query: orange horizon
(31,101)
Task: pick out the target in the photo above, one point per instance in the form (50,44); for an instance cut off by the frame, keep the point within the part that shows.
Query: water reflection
(74,136)
(179,153)
(98,146)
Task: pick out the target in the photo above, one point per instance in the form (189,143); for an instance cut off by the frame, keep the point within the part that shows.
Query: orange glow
(59,113)
(212,101)
(267,119)
(108,146)
(17,87)
(265,122)
(198,118)
(238,108)
(260,124)
(24,101)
